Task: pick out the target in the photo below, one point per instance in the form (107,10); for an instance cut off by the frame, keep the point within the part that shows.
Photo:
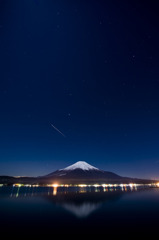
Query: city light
(17,185)
(96,185)
(82,185)
(103,185)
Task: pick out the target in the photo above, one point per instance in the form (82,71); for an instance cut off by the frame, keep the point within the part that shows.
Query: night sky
(90,68)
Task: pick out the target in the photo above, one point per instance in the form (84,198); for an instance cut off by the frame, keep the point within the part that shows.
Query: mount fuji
(78,173)
(82,172)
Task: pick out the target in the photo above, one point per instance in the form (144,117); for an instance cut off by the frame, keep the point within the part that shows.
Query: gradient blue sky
(90,68)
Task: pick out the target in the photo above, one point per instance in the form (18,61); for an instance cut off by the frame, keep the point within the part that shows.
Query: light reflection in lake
(82,210)
(91,208)
(80,201)
(22,191)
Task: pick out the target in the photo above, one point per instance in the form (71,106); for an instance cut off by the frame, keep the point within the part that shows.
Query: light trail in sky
(58,130)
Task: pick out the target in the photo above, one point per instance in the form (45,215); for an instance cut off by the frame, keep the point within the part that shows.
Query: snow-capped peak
(82,165)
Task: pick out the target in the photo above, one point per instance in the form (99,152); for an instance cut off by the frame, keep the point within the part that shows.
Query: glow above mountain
(80,165)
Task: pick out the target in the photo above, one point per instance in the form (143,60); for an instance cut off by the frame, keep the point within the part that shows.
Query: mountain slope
(78,173)
(82,170)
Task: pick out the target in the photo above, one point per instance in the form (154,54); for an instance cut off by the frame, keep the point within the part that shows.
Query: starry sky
(91,69)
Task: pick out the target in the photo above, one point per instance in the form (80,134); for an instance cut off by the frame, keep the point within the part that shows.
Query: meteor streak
(58,130)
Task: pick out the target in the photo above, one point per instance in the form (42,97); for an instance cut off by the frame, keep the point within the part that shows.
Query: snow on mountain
(79,172)
(80,165)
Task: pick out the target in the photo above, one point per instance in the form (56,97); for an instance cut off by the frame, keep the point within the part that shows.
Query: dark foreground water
(78,211)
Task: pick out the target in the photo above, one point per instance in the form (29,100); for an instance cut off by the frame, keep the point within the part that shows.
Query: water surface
(79,210)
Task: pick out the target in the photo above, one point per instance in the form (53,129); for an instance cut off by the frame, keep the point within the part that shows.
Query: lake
(77,210)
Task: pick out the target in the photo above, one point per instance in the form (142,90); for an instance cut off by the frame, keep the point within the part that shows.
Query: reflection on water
(93,209)
(54,190)
(82,210)
(80,201)
(22,191)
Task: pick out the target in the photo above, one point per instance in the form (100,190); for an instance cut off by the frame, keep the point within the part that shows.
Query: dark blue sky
(90,68)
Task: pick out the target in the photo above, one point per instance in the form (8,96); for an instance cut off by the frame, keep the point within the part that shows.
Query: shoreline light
(103,185)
